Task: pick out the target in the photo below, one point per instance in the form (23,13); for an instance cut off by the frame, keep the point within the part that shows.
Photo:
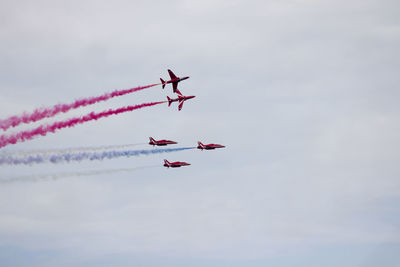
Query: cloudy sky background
(304,94)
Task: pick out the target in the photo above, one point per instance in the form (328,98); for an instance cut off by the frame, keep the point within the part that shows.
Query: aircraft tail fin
(163,83)
(169,101)
(200,145)
(152,141)
(166,163)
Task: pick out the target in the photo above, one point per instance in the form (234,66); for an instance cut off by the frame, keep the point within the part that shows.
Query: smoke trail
(68,157)
(44,129)
(42,113)
(27,153)
(56,176)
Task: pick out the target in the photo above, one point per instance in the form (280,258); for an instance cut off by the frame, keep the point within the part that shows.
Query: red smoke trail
(42,113)
(44,129)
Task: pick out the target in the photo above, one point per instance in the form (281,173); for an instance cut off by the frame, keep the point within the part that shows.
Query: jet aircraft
(209,146)
(174,80)
(181,98)
(176,164)
(160,142)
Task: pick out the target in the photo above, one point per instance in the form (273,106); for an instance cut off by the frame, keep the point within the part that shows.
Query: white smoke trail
(56,176)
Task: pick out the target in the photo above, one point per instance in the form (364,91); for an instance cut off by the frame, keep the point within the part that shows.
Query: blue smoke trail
(68,157)
(27,153)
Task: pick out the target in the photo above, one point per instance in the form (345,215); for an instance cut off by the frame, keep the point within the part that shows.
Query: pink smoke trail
(41,113)
(51,128)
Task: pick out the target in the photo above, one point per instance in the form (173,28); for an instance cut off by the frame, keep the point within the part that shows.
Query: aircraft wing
(171,74)
(175,86)
(178,92)
(180,105)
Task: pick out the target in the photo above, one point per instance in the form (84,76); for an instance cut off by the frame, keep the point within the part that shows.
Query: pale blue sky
(304,94)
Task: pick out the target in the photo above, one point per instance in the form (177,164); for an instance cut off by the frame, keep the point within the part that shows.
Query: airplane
(209,146)
(160,142)
(174,80)
(176,164)
(181,98)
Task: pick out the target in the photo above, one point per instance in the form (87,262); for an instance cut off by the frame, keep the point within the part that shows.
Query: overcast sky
(304,94)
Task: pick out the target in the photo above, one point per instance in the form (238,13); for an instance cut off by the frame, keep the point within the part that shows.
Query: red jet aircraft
(209,146)
(181,98)
(176,164)
(174,80)
(160,142)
